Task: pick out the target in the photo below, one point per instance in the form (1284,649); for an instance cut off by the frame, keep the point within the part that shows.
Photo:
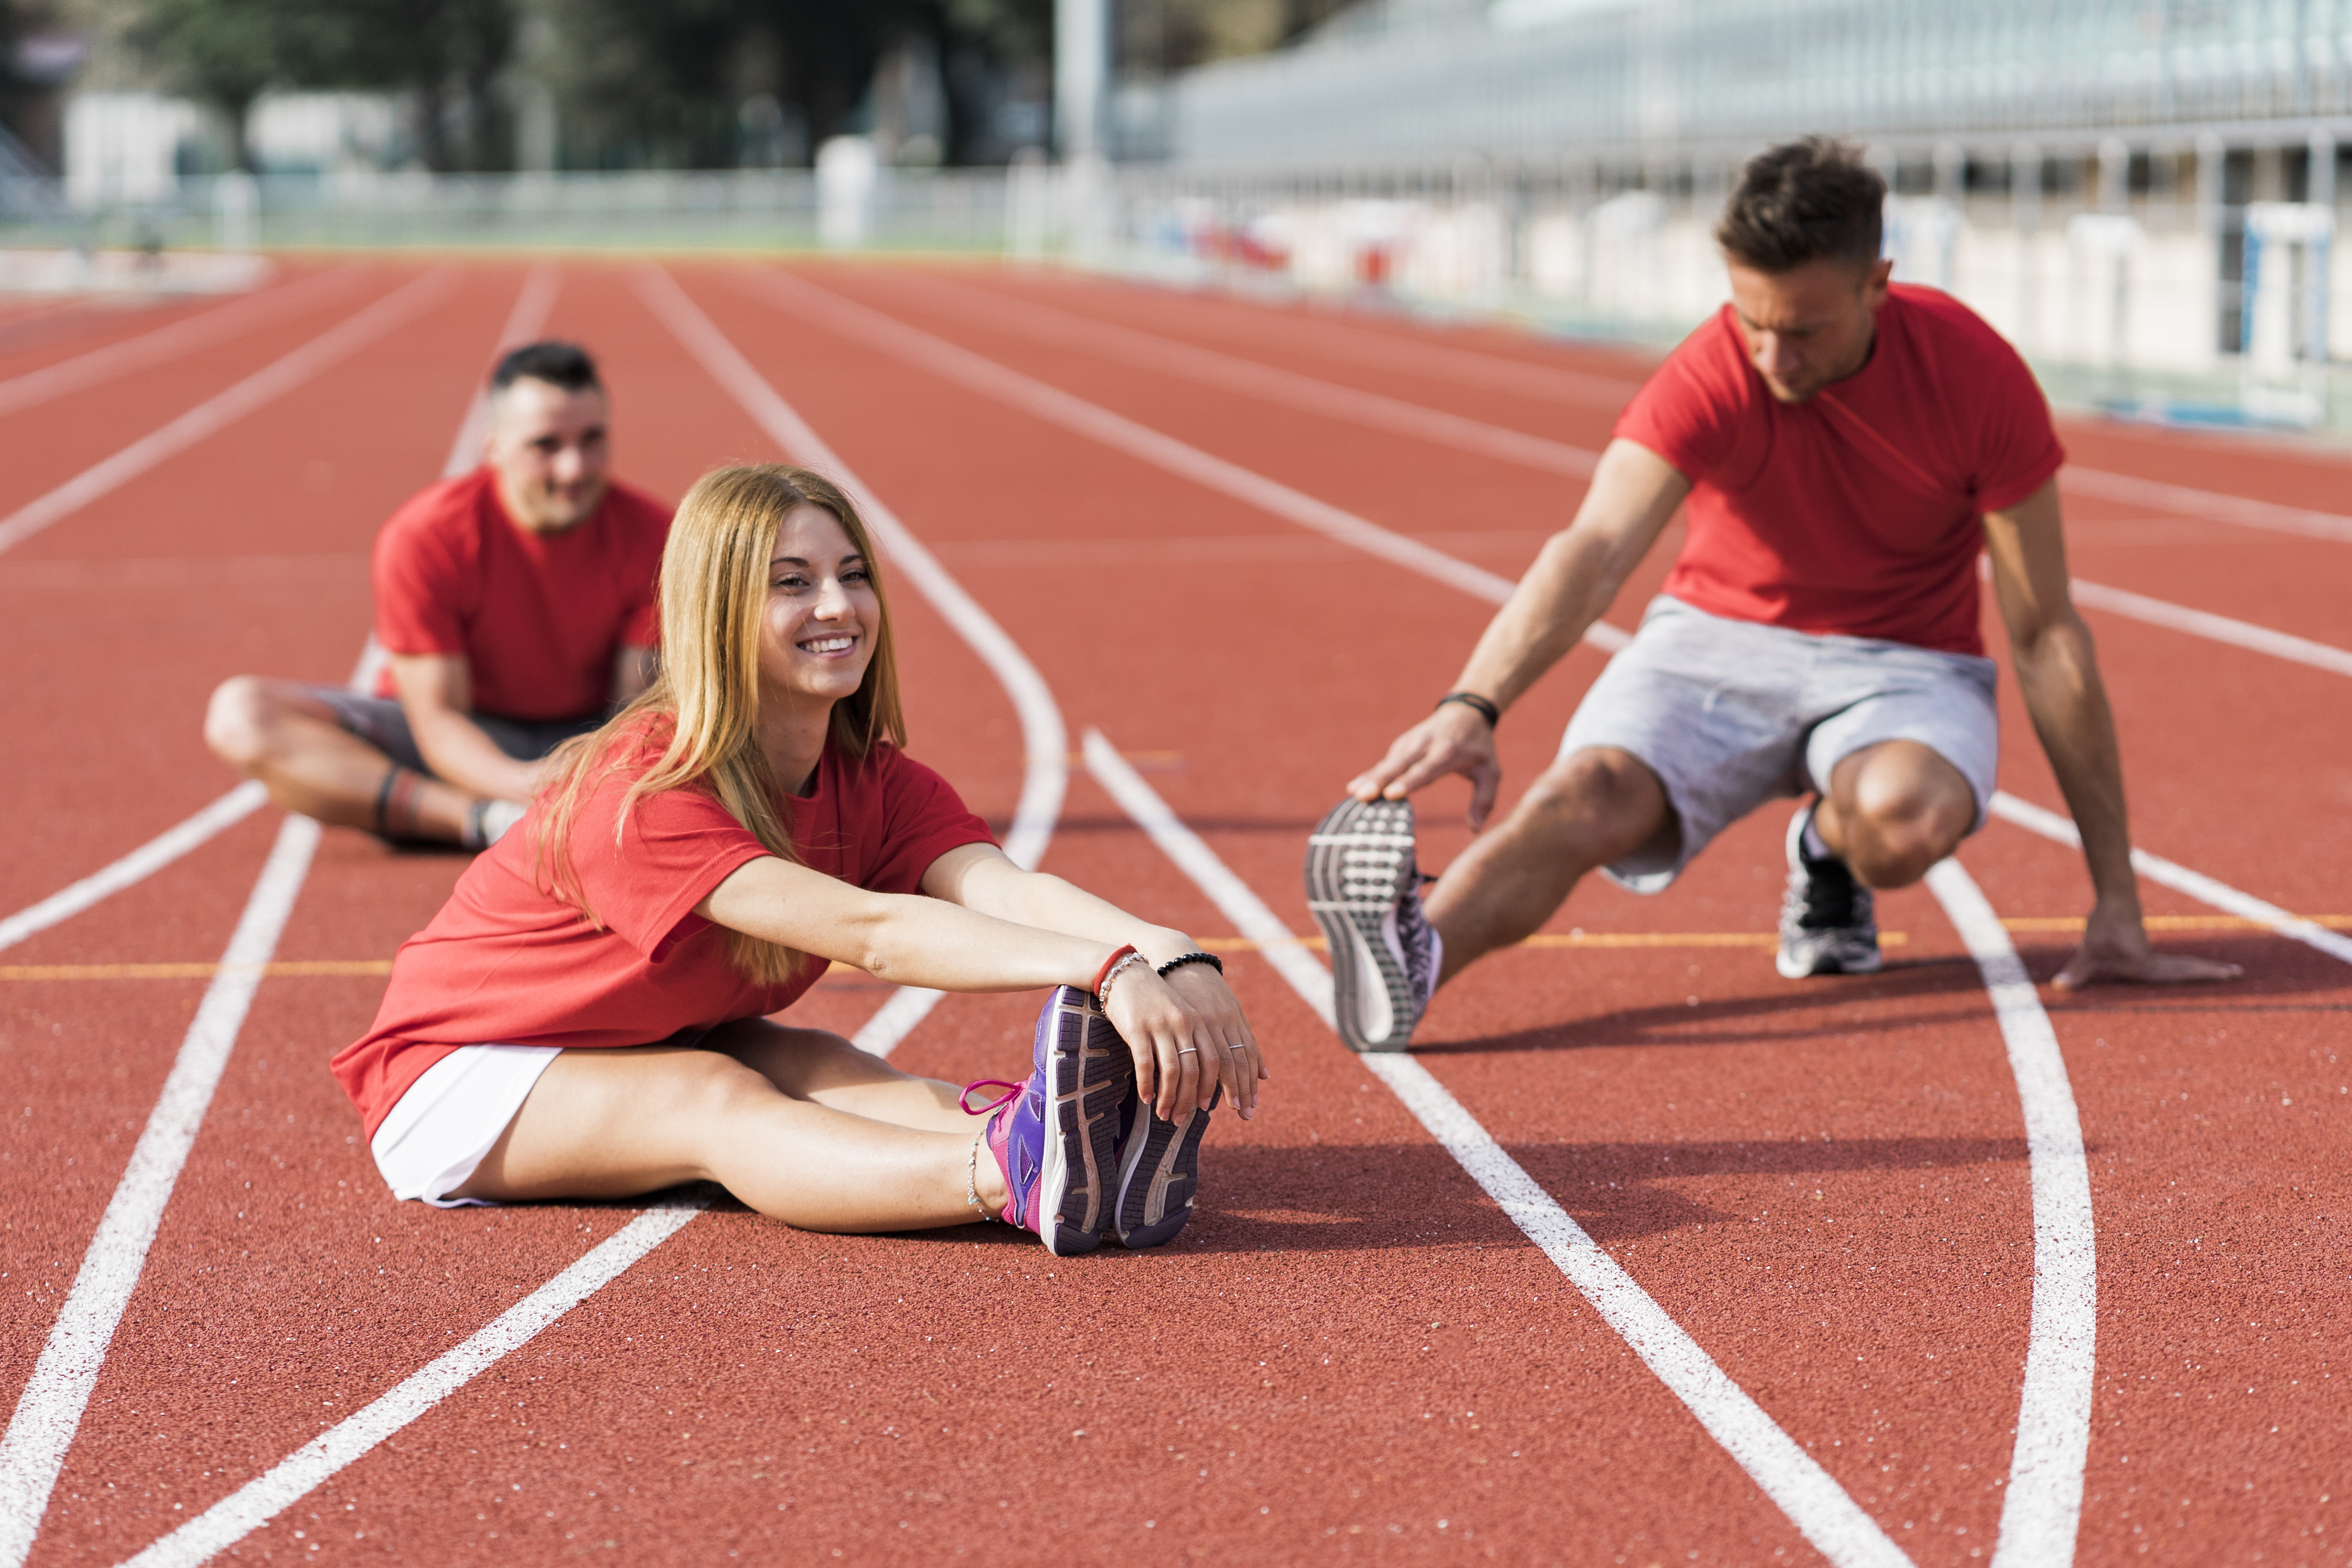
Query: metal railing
(757,209)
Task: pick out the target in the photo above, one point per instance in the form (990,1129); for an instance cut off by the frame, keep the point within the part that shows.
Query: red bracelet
(1108,964)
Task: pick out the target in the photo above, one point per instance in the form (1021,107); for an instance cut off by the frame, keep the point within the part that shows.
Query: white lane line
(985,376)
(2211,504)
(260,1500)
(1046,776)
(166,343)
(222,408)
(2220,895)
(1821,1509)
(50,1409)
(2216,628)
(523,323)
(1351,343)
(2043,1507)
(1234,373)
(947,360)
(1500,372)
(1039,809)
(140,863)
(1231,372)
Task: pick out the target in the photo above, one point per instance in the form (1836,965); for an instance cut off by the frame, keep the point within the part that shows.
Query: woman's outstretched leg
(796,1123)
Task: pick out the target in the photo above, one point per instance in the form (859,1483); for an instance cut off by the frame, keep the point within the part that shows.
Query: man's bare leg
(1893,811)
(279,733)
(1588,809)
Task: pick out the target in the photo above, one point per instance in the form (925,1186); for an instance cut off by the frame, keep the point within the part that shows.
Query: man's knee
(1610,796)
(240,721)
(1901,821)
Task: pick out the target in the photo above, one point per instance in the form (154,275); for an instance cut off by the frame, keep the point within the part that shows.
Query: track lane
(324,1172)
(414,1484)
(1062,1343)
(2289,686)
(34,1449)
(1247,607)
(28,380)
(2265,581)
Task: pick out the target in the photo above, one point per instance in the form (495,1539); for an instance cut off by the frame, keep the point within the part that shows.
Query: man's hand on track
(1454,739)
(2116,951)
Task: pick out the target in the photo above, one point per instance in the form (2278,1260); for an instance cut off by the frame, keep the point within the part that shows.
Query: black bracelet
(1177,961)
(1486,710)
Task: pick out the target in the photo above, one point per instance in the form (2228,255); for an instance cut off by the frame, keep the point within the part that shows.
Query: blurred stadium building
(2143,191)
(2142,194)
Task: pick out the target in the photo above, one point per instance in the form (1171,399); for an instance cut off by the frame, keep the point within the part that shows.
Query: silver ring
(1187,1050)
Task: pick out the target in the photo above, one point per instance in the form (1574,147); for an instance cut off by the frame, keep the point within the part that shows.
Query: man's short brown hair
(1804,201)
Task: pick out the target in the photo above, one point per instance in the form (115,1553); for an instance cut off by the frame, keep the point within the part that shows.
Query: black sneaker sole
(1352,885)
(1093,1074)
(1159,1177)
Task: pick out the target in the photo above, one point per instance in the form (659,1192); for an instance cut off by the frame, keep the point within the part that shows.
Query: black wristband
(1486,710)
(1182,960)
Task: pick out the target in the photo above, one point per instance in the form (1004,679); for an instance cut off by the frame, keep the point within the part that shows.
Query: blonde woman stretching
(586,1016)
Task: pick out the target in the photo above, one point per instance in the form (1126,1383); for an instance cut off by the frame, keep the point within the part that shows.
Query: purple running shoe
(1055,1139)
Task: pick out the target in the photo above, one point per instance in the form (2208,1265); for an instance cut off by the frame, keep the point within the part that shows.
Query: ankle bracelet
(972,1179)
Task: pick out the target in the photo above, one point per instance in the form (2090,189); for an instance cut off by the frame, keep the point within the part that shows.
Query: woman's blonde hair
(713,595)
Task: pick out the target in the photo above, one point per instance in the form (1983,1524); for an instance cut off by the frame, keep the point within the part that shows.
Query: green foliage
(645,83)
(227,52)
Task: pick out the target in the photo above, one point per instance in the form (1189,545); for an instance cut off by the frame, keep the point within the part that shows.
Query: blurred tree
(444,52)
(666,83)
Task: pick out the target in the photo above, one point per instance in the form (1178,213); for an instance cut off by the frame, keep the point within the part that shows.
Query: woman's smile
(832,644)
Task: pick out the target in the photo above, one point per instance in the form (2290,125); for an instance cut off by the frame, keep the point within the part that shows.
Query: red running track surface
(1351,1352)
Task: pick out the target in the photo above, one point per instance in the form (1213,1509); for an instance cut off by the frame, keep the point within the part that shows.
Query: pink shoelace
(1012,1093)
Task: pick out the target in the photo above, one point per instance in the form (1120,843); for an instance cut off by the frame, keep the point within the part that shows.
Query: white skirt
(449,1119)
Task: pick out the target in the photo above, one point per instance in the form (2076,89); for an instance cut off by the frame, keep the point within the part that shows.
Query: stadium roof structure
(1407,79)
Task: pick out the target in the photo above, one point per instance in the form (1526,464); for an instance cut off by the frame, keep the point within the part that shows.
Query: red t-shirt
(539,617)
(508,963)
(1859,510)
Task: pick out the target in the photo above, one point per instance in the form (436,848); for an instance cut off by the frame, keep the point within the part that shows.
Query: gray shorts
(382,723)
(1731,713)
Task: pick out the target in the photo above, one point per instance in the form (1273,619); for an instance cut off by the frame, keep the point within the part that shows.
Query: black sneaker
(1364,888)
(1828,926)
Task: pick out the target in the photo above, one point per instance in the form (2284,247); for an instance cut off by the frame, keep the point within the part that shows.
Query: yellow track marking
(315,967)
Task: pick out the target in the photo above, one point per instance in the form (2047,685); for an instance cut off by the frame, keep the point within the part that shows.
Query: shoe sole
(1159,1177)
(1351,887)
(1092,1076)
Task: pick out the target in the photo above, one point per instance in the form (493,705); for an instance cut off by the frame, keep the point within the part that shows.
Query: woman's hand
(1189,1037)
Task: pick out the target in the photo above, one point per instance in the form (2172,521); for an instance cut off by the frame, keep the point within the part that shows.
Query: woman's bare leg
(798,1124)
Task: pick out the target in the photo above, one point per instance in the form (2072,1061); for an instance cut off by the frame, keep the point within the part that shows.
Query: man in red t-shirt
(1844,448)
(515,606)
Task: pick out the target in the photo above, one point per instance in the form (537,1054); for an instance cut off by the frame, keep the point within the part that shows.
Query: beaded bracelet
(1102,976)
(1102,992)
(1485,708)
(1177,961)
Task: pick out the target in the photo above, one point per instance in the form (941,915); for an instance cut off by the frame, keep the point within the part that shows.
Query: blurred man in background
(515,605)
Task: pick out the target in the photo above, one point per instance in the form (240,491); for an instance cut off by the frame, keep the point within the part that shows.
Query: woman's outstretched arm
(902,938)
(912,940)
(1209,1018)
